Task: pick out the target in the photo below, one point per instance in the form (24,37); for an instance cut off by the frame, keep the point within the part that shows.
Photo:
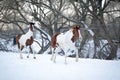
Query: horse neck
(29,33)
(80,36)
(79,33)
(68,34)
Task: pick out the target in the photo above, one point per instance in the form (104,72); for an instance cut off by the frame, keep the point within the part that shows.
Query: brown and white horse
(66,41)
(24,40)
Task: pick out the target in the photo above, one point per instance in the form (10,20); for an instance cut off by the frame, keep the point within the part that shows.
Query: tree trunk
(113,52)
(113,46)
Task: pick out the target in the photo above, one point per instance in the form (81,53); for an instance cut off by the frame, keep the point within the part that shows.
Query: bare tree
(96,9)
(53,15)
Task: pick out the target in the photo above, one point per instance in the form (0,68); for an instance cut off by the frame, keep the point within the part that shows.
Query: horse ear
(77,27)
(31,23)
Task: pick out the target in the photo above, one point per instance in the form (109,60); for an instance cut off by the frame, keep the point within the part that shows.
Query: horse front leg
(77,55)
(65,58)
(52,51)
(54,55)
(34,55)
(28,54)
(54,60)
(33,51)
(21,57)
(20,51)
(65,52)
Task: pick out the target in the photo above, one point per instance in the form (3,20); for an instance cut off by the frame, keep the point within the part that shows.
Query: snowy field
(14,68)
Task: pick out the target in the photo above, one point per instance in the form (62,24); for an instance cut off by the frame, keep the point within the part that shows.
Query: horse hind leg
(31,50)
(21,57)
(53,57)
(65,52)
(20,50)
(52,50)
(28,54)
(34,55)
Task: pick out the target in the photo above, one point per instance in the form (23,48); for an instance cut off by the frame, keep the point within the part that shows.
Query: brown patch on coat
(54,40)
(29,41)
(17,40)
(75,33)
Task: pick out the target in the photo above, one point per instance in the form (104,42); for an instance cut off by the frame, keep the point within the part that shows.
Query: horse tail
(14,40)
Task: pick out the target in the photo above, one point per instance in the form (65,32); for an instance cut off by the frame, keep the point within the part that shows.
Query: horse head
(31,26)
(77,27)
(75,31)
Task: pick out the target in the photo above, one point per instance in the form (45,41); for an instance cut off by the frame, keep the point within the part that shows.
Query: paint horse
(66,40)
(24,40)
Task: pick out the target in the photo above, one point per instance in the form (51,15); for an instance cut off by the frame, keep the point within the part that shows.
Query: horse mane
(75,33)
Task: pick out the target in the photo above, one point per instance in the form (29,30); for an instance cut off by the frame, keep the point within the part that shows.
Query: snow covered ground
(14,68)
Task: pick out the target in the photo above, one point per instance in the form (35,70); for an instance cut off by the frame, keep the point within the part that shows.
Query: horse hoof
(76,60)
(34,57)
(54,61)
(21,57)
(66,63)
(27,56)
(51,59)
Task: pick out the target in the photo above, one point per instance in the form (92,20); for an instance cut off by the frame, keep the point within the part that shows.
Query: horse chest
(24,40)
(64,39)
